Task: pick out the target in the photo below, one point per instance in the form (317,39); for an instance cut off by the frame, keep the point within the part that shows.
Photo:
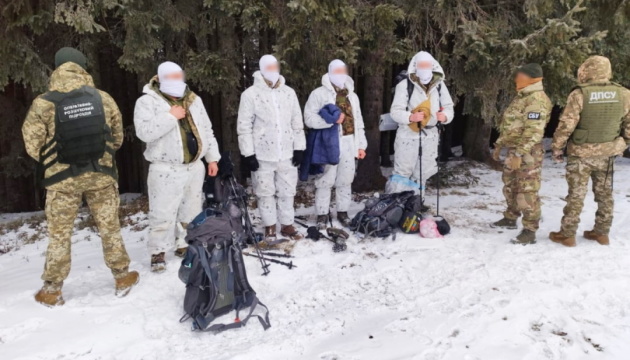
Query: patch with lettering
(533,116)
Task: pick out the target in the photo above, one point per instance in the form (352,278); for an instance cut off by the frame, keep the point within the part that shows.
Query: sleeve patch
(533,116)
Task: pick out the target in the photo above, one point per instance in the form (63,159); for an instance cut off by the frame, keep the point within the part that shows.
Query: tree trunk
(476,142)
(229,98)
(369,176)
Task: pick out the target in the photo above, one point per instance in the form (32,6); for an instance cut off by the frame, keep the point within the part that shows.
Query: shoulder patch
(533,116)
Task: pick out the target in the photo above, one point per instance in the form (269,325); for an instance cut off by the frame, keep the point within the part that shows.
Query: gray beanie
(68,54)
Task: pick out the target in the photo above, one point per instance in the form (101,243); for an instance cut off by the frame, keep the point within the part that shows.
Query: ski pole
(267,253)
(249,228)
(440,127)
(289,264)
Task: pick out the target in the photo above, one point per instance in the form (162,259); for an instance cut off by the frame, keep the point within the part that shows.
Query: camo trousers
(61,211)
(520,188)
(579,170)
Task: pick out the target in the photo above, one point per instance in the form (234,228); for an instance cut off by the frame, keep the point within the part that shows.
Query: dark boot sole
(504,227)
(516,242)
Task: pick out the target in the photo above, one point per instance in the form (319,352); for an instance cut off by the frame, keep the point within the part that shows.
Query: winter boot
(290,232)
(322,222)
(125,283)
(342,217)
(504,223)
(557,237)
(158,264)
(526,237)
(49,298)
(270,233)
(596,236)
(181,252)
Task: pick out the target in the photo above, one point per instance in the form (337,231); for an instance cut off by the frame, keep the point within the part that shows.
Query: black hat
(68,54)
(532,70)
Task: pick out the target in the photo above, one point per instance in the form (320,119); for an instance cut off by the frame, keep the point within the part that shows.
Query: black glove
(298,156)
(252,162)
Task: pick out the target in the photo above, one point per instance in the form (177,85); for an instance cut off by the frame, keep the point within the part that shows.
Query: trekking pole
(440,127)
(267,253)
(287,264)
(421,186)
(249,228)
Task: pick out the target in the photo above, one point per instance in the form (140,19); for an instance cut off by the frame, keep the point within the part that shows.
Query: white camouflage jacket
(326,94)
(270,121)
(400,104)
(160,130)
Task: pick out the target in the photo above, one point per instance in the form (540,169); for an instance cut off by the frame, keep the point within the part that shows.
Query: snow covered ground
(468,296)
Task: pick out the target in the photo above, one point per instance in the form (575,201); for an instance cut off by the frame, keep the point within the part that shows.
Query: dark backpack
(81,134)
(214,272)
(381,215)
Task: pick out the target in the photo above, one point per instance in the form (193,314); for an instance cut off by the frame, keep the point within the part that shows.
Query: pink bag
(429,229)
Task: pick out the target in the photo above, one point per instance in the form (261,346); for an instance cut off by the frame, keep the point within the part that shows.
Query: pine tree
(218,42)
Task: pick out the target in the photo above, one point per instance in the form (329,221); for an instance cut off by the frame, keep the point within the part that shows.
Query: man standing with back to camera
(595,125)
(73,131)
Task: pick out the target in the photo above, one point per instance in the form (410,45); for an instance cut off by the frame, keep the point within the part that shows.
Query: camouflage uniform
(590,160)
(63,198)
(521,131)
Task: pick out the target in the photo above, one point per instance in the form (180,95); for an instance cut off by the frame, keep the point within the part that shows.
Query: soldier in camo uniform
(595,127)
(73,131)
(521,132)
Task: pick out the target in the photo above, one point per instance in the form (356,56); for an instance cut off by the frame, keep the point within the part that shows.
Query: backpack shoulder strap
(410,88)
(439,89)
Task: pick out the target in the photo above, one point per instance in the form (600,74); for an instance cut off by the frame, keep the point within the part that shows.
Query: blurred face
(521,78)
(424,65)
(178,76)
(275,67)
(340,71)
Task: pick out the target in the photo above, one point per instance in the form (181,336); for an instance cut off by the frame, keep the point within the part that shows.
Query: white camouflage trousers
(340,176)
(275,186)
(407,164)
(175,197)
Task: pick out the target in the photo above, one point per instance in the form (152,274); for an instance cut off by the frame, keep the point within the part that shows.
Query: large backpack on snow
(81,135)
(214,273)
(381,215)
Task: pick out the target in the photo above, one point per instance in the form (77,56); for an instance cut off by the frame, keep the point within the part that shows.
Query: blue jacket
(322,145)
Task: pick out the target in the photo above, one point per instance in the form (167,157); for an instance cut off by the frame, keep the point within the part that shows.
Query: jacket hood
(595,69)
(328,85)
(153,88)
(537,86)
(259,80)
(69,76)
(437,68)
